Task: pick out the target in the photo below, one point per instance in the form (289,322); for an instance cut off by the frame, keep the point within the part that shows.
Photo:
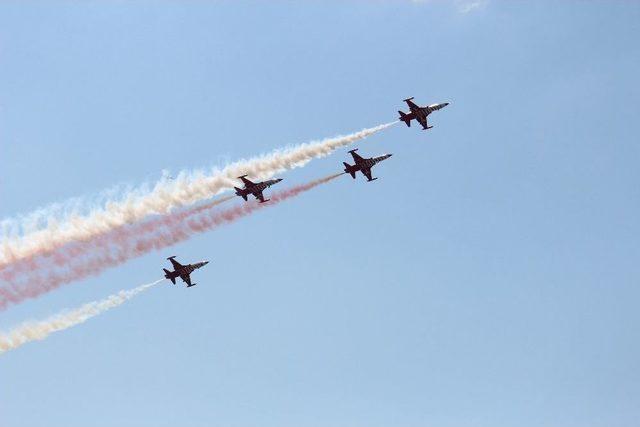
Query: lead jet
(182,271)
(255,188)
(363,165)
(419,113)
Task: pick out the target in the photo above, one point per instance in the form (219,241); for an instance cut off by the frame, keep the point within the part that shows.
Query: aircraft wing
(246,182)
(422,121)
(411,104)
(259,196)
(186,278)
(356,157)
(176,264)
(367,173)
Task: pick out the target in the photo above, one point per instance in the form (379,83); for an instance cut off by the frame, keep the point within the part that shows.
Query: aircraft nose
(279,179)
(445,104)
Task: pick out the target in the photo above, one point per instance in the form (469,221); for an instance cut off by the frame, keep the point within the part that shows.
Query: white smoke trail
(187,188)
(32,331)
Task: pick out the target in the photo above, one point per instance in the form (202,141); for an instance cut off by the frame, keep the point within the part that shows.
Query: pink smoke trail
(62,254)
(51,227)
(94,256)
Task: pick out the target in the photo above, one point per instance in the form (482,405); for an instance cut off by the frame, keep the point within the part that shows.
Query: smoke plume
(42,233)
(39,330)
(82,259)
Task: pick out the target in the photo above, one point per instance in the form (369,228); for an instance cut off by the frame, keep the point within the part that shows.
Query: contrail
(135,205)
(88,258)
(39,330)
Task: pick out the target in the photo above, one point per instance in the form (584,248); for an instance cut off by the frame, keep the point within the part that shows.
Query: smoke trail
(92,257)
(32,331)
(187,189)
(34,263)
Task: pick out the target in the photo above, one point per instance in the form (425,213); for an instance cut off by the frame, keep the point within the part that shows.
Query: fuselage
(364,164)
(368,163)
(258,187)
(425,111)
(419,113)
(187,269)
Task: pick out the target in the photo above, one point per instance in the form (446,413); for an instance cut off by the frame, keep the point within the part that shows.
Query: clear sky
(488,278)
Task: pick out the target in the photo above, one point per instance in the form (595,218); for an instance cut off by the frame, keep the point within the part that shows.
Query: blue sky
(488,278)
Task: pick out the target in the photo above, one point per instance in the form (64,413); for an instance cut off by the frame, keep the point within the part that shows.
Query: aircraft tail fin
(405,118)
(348,169)
(167,275)
(240,193)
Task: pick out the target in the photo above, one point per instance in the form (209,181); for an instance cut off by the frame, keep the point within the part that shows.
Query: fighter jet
(182,271)
(363,165)
(419,113)
(255,188)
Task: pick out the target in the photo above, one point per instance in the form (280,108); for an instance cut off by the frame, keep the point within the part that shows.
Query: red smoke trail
(83,259)
(63,253)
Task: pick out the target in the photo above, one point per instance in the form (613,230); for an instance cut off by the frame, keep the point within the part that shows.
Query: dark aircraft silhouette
(363,165)
(419,113)
(182,271)
(255,188)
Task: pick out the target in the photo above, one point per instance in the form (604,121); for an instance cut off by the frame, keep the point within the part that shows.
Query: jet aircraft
(363,165)
(182,271)
(419,113)
(255,188)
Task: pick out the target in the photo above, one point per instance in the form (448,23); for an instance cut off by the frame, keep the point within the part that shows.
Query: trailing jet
(255,188)
(363,165)
(419,113)
(182,271)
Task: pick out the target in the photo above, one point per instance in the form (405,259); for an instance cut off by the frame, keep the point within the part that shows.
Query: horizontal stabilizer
(405,118)
(167,275)
(241,193)
(193,284)
(349,170)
